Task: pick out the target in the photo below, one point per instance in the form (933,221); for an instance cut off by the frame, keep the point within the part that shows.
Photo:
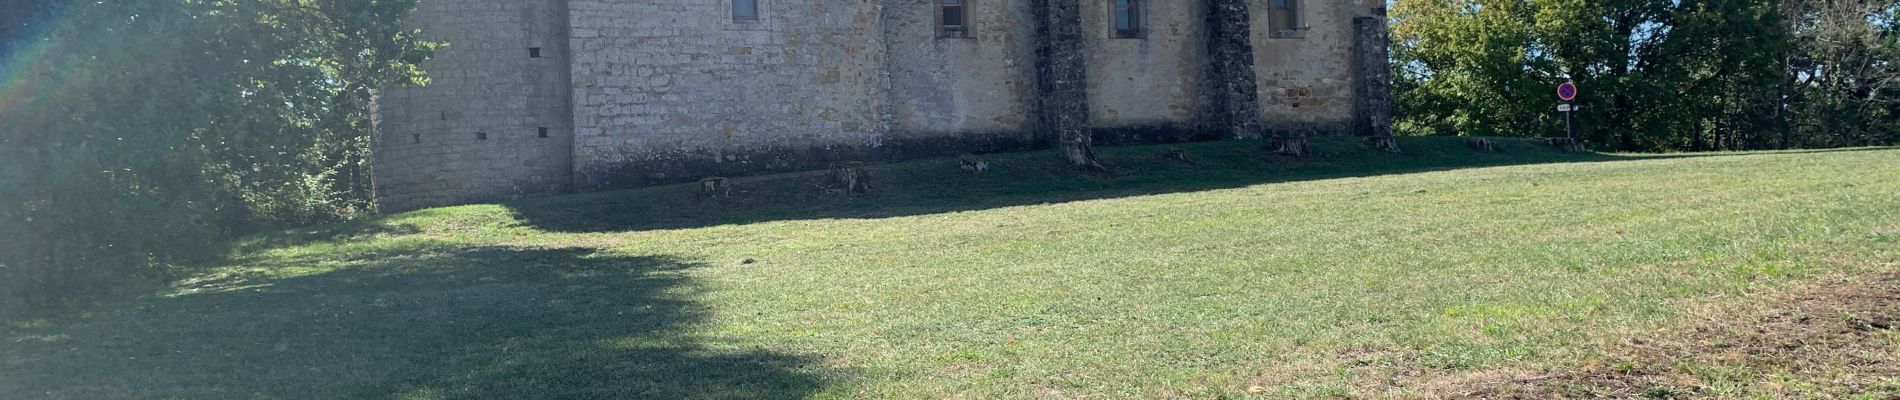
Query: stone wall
(676,90)
(1154,85)
(653,91)
(1234,90)
(1372,70)
(474,133)
(1062,72)
(974,93)
(1306,84)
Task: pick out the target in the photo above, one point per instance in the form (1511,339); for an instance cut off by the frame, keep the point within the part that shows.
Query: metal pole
(1567,134)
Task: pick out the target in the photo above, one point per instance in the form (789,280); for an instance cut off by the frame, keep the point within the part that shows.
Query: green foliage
(1656,74)
(142,133)
(1848,76)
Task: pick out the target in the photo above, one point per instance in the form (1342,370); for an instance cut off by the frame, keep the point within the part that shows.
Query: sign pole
(1567,135)
(1568,93)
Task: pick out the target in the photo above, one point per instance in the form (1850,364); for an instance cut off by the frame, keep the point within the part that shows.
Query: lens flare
(32,63)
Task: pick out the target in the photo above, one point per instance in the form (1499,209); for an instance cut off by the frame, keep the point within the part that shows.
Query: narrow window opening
(953,19)
(444,116)
(534,52)
(542,132)
(1283,19)
(418,138)
(481,135)
(1127,18)
(745,10)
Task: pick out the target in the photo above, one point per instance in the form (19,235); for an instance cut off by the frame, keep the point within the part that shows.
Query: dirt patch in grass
(1829,340)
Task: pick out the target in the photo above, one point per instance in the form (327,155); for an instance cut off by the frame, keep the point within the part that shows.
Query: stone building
(547,96)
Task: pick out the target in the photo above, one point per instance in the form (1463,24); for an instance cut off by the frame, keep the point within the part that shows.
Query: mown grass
(1333,276)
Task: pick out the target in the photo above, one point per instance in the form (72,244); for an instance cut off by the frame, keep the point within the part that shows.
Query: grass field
(1238,274)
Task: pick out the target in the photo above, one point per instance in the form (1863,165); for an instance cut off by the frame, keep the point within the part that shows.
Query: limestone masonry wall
(1156,84)
(474,133)
(674,90)
(1306,83)
(636,92)
(974,93)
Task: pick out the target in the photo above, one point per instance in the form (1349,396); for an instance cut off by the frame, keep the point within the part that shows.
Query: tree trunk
(1781,100)
(1622,111)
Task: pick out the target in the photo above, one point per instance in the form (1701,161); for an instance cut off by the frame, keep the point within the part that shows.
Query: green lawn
(1350,274)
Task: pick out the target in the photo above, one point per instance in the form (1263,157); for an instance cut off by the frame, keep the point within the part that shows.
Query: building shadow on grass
(1015,179)
(940,186)
(450,324)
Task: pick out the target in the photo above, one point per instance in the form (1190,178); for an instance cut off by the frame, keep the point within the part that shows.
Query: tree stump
(715,187)
(1481,144)
(1384,143)
(1176,154)
(1566,144)
(851,176)
(972,163)
(1291,146)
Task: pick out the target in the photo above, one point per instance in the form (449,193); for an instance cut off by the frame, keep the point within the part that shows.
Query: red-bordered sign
(1567,91)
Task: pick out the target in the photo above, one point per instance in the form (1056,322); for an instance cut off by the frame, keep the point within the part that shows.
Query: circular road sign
(1567,91)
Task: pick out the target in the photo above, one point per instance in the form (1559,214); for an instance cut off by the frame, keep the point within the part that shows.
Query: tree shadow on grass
(459,323)
(1028,178)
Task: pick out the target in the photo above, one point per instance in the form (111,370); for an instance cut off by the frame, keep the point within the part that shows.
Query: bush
(153,131)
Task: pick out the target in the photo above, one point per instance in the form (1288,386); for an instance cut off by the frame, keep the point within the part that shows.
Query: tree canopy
(137,133)
(1656,75)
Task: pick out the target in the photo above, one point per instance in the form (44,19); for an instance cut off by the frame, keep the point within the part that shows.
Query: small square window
(745,10)
(1126,18)
(953,18)
(1283,19)
(534,52)
(542,132)
(481,135)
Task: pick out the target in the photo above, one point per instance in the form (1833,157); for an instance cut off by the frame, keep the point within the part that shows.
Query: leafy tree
(142,133)
(1474,64)
(1844,88)
(1656,74)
